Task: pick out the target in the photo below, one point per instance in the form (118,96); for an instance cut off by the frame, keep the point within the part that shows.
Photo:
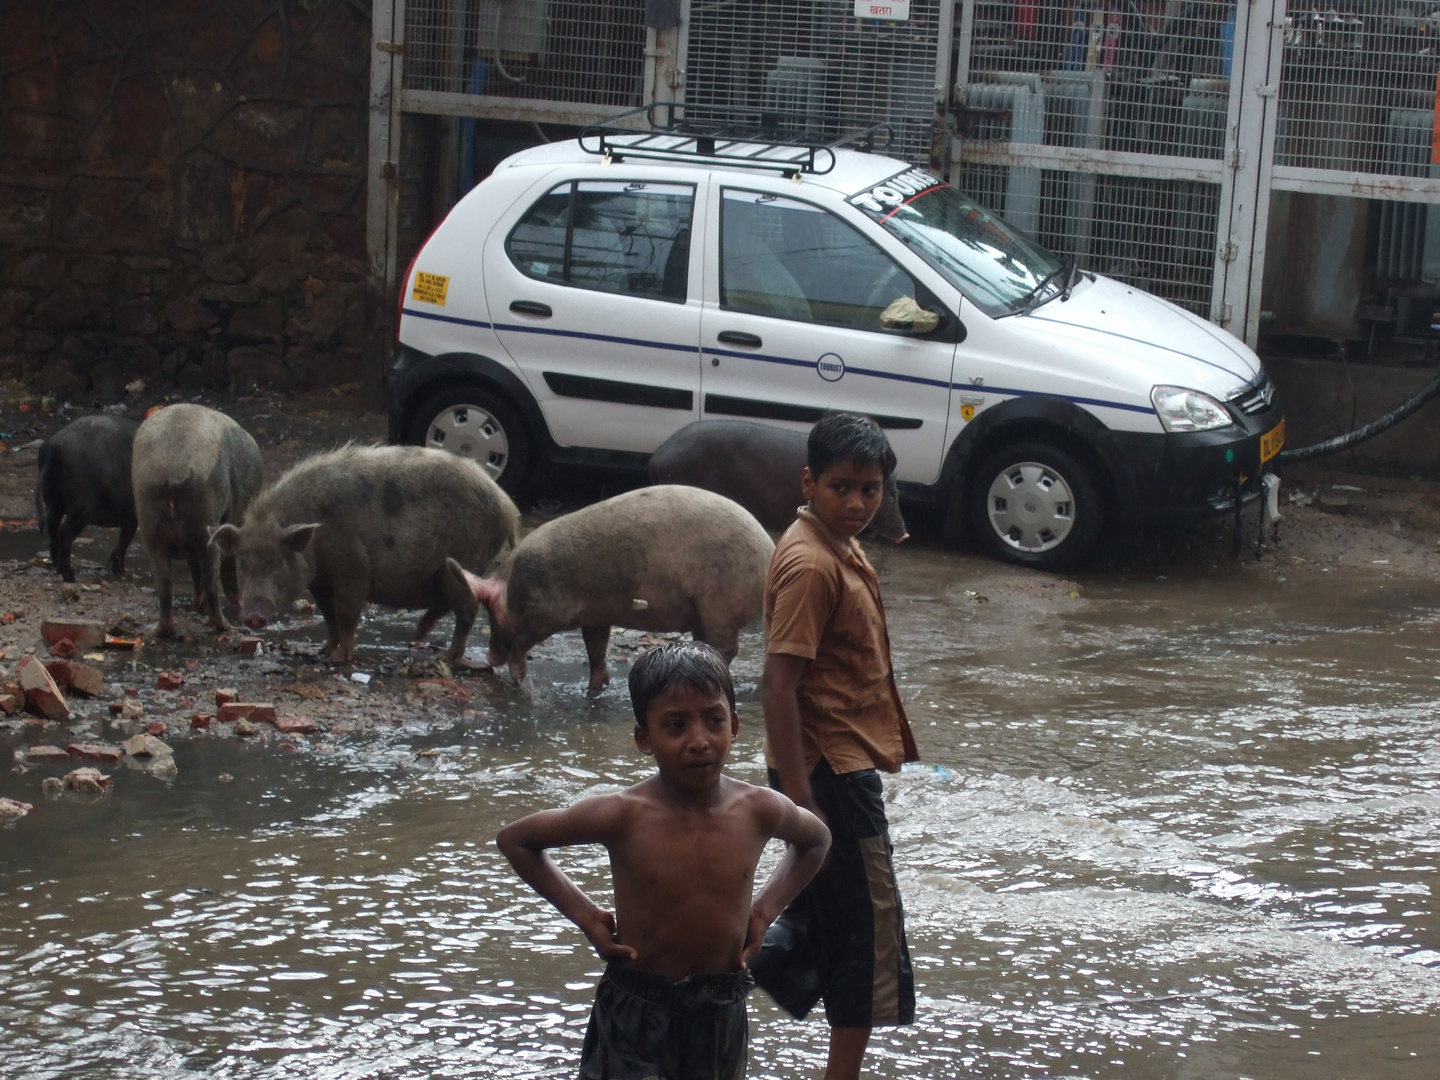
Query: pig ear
(298,537)
(485,590)
(226,537)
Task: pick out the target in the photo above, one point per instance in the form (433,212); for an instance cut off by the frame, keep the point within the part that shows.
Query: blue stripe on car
(787,361)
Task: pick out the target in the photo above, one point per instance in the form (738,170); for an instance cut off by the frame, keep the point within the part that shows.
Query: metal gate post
(951,175)
(382,191)
(664,78)
(944,87)
(1249,158)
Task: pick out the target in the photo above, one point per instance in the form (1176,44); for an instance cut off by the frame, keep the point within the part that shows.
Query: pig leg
(160,569)
(205,569)
(62,540)
(597,640)
(462,601)
(122,545)
(230,582)
(325,601)
(725,641)
(349,603)
(427,623)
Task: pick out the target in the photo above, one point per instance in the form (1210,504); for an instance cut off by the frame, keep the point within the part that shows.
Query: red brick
(47,755)
(82,633)
(169,680)
(295,725)
(251,646)
(225,695)
(91,751)
(9,703)
(63,648)
(201,720)
(155,727)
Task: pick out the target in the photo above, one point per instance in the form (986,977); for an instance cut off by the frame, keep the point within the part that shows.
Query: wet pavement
(1181,823)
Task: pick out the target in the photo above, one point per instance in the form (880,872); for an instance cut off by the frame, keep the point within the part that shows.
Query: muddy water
(1180,827)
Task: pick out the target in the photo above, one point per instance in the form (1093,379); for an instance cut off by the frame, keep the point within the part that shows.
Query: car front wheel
(1036,505)
(477,424)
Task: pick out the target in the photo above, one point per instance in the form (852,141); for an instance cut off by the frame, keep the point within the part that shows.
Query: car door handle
(531,307)
(736,337)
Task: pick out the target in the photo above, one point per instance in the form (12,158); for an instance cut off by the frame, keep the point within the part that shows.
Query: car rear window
(630,238)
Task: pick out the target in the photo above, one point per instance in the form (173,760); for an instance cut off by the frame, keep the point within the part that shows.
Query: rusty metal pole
(382,195)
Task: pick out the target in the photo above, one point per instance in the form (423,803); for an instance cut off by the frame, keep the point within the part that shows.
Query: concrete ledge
(1319,405)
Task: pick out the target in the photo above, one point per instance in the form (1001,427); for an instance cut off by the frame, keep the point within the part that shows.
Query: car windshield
(997,268)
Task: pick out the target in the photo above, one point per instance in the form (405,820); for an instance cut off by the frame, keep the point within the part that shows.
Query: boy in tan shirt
(833,721)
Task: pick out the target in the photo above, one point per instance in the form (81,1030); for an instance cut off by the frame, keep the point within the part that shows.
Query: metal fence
(817,68)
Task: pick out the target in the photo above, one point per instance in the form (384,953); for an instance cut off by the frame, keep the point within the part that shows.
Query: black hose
(1426,393)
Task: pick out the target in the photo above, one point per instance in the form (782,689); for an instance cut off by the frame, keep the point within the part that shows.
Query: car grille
(1254,397)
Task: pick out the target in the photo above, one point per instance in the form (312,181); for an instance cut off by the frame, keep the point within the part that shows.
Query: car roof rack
(737,138)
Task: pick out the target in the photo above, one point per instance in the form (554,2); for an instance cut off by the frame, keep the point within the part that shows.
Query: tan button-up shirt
(822,602)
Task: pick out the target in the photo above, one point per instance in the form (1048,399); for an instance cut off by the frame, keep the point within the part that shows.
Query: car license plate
(1271,442)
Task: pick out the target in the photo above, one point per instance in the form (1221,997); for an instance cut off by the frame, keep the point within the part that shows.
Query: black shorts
(644,1026)
(843,939)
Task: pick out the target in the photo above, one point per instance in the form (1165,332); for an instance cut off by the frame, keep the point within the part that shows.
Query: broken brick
(91,751)
(201,720)
(251,646)
(155,727)
(224,695)
(86,680)
(9,703)
(59,671)
(169,680)
(46,755)
(81,633)
(88,779)
(63,648)
(295,725)
(40,690)
(254,711)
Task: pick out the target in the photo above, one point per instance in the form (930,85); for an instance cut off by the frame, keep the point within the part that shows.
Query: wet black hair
(692,663)
(850,437)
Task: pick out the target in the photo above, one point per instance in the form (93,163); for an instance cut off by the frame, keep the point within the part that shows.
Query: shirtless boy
(683,846)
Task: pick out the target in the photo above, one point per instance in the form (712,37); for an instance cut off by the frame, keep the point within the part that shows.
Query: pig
(193,469)
(759,467)
(391,525)
(85,480)
(660,558)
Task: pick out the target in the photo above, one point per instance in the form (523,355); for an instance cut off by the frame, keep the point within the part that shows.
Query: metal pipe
(1424,396)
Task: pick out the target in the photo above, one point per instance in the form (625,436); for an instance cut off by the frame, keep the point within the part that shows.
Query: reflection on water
(1183,829)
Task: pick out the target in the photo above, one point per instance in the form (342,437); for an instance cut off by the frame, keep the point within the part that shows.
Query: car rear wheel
(1036,505)
(477,424)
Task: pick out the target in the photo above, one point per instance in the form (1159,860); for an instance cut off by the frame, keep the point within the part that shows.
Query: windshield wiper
(1032,299)
(1070,279)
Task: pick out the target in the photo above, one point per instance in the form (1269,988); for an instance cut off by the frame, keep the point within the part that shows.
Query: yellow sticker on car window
(430,288)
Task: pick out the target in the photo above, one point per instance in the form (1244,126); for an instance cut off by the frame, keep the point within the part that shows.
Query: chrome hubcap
(471,432)
(1031,507)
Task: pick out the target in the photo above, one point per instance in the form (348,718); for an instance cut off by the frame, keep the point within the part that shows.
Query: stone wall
(182,192)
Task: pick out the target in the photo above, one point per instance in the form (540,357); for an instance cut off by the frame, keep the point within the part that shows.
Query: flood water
(1178,827)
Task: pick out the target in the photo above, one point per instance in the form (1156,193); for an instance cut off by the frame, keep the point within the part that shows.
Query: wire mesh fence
(585,51)
(1357,92)
(815,69)
(1156,234)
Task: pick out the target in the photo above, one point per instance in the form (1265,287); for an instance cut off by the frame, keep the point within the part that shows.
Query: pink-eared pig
(389,525)
(661,558)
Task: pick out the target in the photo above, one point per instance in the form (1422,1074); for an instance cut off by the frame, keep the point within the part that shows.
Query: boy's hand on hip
(754,936)
(600,930)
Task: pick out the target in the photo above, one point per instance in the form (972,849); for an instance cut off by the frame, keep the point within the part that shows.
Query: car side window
(792,260)
(611,236)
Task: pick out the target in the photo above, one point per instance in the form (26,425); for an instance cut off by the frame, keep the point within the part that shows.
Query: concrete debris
(86,680)
(146,746)
(244,728)
(162,768)
(9,703)
(224,778)
(40,690)
(132,709)
(88,780)
(51,786)
(13,809)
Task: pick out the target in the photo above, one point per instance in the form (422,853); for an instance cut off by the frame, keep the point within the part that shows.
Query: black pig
(85,480)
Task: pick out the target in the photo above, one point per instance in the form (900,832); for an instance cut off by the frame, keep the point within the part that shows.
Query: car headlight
(1180,409)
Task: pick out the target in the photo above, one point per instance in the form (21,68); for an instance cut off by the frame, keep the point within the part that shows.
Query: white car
(592,297)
